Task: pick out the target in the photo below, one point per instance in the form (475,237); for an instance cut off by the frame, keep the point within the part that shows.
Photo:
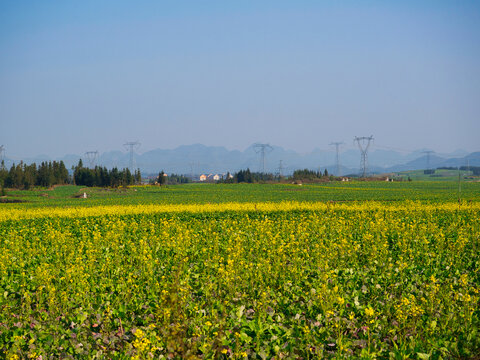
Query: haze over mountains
(196,159)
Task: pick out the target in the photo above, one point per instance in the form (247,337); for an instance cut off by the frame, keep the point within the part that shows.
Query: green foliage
(161,179)
(24,176)
(102,177)
(307,174)
(175,179)
(246,176)
(335,283)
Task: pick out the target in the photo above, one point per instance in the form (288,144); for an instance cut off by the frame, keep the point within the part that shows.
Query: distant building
(216,177)
(203,177)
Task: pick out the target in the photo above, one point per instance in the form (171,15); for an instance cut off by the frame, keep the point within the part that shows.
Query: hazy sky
(91,75)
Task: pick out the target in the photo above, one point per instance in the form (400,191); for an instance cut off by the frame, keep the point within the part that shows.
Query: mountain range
(197,159)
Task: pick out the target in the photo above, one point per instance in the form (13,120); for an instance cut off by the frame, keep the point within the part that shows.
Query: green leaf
(245,337)
(240,311)
(423,356)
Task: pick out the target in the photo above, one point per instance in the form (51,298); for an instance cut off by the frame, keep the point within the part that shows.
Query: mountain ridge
(199,158)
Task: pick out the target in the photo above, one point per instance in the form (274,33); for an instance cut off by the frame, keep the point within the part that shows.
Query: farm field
(358,270)
(424,191)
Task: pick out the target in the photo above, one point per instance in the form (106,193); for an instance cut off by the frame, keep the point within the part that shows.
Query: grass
(425,191)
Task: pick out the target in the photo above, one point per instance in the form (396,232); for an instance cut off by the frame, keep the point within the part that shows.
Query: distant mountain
(419,163)
(472,159)
(197,159)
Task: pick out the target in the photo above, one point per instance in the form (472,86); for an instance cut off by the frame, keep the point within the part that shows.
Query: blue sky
(80,76)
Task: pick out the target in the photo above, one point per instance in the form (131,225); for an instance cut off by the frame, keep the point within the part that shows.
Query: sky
(92,75)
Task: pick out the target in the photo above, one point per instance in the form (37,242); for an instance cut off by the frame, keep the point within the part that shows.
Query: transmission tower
(192,169)
(2,157)
(337,159)
(131,146)
(363,143)
(262,149)
(280,168)
(91,158)
(428,152)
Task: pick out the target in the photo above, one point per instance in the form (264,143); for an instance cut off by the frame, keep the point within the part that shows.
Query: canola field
(237,280)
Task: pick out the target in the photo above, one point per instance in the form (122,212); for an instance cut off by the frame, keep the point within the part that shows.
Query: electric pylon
(91,158)
(192,169)
(280,168)
(131,146)
(262,149)
(363,144)
(337,159)
(428,152)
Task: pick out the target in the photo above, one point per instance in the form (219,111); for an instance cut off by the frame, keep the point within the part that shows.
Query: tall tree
(161,178)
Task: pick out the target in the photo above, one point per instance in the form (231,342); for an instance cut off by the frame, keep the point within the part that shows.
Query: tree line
(23,176)
(307,174)
(172,179)
(102,177)
(247,176)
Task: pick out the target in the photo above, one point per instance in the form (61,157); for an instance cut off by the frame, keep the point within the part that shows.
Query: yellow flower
(369,311)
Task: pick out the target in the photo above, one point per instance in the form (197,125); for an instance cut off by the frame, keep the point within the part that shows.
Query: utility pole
(131,146)
(363,143)
(262,149)
(337,159)
(91,158)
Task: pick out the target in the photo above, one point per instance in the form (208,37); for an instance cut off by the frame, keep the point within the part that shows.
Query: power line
(337,159)
(363,143)
(262,149)
(131,146)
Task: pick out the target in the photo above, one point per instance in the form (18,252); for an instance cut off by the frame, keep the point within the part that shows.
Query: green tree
(161,178)
(138,176)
